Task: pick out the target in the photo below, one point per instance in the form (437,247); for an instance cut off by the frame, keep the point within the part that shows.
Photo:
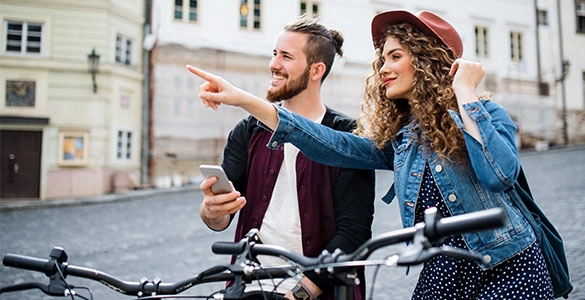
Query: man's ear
(317,71)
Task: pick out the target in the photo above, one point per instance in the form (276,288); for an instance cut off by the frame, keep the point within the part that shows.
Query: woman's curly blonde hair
(431,99)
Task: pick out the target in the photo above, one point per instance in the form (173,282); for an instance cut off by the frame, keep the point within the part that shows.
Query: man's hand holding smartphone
(223,185)
(220,199)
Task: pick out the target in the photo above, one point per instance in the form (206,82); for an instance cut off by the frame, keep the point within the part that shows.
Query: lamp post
(93,60)
(565,64)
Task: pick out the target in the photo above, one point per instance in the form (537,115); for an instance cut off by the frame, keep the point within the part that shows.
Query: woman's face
(397,72)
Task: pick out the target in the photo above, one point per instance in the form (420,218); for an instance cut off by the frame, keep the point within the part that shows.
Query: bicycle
(338,266)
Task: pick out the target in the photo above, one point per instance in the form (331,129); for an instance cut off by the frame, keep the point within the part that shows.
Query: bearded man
(295,202)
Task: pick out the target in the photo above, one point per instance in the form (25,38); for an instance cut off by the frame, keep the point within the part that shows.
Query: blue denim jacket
(480,184)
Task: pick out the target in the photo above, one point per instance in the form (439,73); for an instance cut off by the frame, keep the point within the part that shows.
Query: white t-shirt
(282,224)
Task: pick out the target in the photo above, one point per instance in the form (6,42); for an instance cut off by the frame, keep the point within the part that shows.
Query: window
(123,50)
(178,9)
(542,17)
(124,145)
(543,89)
(186,10)
(310,8)
(482,41)
(580,15)
(516,41)
(23,37)
(20,93)
(250,14)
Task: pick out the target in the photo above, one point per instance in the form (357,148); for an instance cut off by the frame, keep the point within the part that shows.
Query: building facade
(63,132)
(562,64)
(138,120)
(234,38)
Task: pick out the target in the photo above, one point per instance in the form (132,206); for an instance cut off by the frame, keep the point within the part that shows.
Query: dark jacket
(335,204)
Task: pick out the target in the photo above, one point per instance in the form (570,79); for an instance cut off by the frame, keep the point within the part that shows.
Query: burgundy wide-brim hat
(425,21)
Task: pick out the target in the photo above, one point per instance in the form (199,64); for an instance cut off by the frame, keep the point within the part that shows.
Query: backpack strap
(523,182)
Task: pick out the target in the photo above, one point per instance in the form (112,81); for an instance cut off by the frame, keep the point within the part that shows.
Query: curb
(126,196)
(556,148)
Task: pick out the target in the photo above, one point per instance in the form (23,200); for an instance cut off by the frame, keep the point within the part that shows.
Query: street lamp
(565,66)
(93,60)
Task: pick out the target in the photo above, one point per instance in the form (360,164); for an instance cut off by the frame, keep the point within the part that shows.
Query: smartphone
(223,185)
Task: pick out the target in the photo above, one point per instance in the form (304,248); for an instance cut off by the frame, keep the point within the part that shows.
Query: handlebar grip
(471,222)
(29,263)
(228,248)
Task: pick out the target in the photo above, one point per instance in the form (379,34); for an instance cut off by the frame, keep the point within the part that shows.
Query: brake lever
(418,256)
(24,286)
(54,288)
(417,252)
(58,287)
(463,254)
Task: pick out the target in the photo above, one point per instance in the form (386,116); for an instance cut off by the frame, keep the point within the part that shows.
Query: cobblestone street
(160,235)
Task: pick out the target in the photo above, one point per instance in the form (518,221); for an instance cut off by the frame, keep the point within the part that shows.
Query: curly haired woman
(448,148)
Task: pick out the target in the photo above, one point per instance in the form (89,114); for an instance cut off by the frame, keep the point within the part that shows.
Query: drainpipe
(538,67)
(564,72)
(145,134)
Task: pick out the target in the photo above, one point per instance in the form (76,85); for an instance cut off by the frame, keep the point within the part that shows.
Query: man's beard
(290,89)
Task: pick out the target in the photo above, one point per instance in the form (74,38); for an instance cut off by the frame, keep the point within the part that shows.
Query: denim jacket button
(487,258)
(274,143)
(438,168)
(452,198)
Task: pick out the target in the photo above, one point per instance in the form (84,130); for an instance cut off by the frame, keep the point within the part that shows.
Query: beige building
(561,32)
(63,132)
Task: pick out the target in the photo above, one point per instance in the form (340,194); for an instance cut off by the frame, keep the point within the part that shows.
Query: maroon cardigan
(335,204)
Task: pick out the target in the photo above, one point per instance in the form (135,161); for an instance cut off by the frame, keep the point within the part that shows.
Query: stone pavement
(157,233)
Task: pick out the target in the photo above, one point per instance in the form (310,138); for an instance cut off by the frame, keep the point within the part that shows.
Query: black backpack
(549,240)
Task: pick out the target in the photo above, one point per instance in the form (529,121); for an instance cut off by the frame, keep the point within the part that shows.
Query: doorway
(20,163)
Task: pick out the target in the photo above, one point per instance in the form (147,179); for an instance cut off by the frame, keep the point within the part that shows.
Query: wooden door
(20,163)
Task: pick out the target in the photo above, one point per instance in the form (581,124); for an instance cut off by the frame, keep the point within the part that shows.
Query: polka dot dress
(524,276)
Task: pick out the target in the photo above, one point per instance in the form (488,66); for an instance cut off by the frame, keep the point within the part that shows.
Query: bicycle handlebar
(250,246)
(140,289)
(49,267)
(434,228)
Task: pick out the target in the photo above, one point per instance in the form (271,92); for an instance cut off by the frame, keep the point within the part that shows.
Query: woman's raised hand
(216,90)
(466,75)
